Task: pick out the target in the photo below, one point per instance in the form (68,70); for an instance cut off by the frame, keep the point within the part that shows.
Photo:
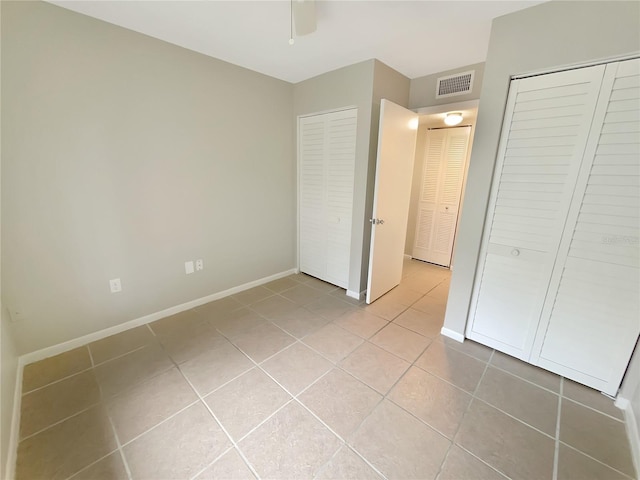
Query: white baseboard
(356,295)
(632,430)
(408,256)
(107,332)
(458,337)
(12,454)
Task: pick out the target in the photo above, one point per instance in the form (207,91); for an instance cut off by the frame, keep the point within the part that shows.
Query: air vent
(453,85)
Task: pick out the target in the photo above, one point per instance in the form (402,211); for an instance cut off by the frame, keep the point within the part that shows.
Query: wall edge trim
(633,434)
(458,337)
(47,352)
(12,454)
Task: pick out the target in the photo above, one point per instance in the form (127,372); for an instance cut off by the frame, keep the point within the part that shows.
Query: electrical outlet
(115,285)
(188,267)
(200,264)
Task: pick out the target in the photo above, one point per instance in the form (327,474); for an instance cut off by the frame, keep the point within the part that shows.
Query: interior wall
(423,89)
(8,374)
(522,42)
(123,157)
(346,87)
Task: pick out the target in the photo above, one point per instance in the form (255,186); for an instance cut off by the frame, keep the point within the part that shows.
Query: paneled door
(394,169)
(544,137)
(326,163)
(445,158)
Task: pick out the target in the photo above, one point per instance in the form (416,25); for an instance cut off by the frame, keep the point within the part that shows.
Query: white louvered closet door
(442,177)
(326,179)
(591,319)
(543,141)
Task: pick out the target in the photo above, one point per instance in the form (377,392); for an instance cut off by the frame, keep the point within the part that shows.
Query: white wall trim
(356,295)
(458,337)
(632,430)
(12,453)
(468,105)
(408,257)
(107,332)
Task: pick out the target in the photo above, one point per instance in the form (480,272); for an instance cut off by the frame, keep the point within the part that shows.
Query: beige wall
(124,156)
(8,373)
(423,89)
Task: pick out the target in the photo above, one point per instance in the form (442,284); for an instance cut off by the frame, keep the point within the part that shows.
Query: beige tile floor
(295,380)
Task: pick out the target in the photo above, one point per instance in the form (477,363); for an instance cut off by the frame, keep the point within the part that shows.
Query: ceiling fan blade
(304,16)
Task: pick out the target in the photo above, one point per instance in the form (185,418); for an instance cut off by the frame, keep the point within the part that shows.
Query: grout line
(473,397)
(594,409)
(203,402)
(56,381)
(93,364)
(214,461)
(595,460)
(59,422)
(83,469)
(120,449)
(153,427)
(482,461)
(556,449)
(117,357)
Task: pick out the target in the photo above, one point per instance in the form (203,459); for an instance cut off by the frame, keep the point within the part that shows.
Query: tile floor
(294,380)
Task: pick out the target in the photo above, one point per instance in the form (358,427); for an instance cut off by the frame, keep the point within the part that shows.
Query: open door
(392,194)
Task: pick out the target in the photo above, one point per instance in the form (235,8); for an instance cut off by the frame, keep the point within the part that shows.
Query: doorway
(439,180)
(429,118)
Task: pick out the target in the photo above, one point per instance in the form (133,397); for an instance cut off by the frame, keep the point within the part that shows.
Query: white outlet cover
(115,286)
(188,267)
(200,264)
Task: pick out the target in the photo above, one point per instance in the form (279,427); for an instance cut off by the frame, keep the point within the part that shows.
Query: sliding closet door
(445,158)
(326,153)
(591,319)
(543,142)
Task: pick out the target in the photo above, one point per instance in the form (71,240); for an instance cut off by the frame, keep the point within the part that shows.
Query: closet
(445,157)
(326,164)
(558,277)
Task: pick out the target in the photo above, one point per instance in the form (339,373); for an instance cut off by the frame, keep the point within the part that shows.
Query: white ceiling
(416,38)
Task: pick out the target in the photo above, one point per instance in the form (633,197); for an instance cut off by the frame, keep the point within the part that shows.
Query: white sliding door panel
(543,141)
(591,320)
(341,137)
(312,197)
(326,182)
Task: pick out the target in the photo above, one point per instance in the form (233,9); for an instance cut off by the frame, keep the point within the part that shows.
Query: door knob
(515,252)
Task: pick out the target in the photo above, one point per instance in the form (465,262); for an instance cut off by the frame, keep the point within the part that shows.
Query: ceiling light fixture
(453,118)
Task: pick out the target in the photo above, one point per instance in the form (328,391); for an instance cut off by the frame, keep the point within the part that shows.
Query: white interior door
(394,169)
(442,176)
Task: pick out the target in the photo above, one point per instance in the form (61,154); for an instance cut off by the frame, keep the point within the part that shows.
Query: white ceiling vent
(452,85)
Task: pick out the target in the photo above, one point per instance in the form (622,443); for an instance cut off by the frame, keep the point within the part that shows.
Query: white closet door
(326,178)
(544,136)
(340,171)
(592,319)
(442,176)
(312,196)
